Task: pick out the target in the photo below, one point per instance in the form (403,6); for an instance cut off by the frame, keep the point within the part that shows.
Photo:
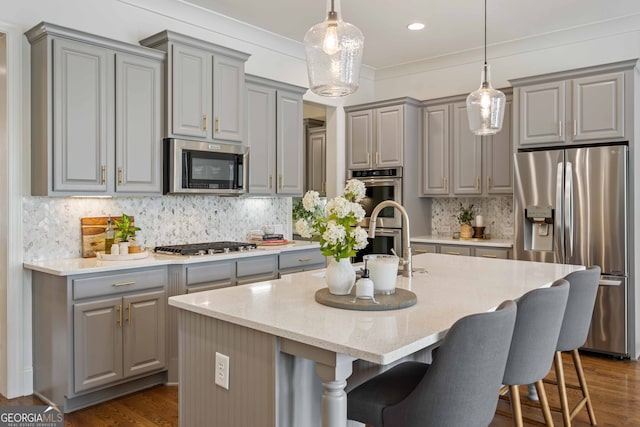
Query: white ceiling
(451,25)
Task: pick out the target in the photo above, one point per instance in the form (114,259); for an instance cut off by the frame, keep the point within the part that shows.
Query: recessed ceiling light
(416,26)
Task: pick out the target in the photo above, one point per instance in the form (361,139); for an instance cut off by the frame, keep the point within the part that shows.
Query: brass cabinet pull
(453,253)
(324,187)
(444,182)
(104,174)
(575,127)
(304,259)
(488,182)
(420,251)
(270,182)
(120,173)
(119,319)
(377,158)
(280,180)
(477,182)
(129,314)
(368,157)
(124,283)
(489,256)
(205,122)
(217,124)
(560,128)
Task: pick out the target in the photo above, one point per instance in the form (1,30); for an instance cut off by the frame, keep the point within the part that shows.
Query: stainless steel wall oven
(381,185)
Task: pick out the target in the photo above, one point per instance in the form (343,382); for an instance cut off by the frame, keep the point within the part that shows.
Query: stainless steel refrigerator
(571,207)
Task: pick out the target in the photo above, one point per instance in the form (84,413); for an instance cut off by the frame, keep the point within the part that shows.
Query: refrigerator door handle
(568,211)
(557,224)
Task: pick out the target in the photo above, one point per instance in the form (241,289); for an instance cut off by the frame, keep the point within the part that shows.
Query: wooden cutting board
(93,229)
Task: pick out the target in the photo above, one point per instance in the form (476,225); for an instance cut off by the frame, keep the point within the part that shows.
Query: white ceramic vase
(340,276)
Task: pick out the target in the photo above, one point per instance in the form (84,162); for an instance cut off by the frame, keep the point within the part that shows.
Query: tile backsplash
(52,225)
(497,213)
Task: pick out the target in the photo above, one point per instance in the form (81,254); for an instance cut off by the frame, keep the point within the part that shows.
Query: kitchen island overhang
(261,324)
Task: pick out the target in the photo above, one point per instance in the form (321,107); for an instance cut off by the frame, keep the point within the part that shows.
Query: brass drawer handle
(304,259)
(489,256)
(453,253)
(124,283)
(420,251)
(205,122)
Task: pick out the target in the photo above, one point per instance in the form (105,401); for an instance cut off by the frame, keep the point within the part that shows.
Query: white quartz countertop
(451,288)
(73,266)
(440,240)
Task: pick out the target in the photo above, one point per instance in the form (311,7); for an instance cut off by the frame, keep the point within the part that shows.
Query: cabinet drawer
(208,287)
(119,283)
(213,272)
(455,250)
(263,266)
(422,248)
(305,258)
(492,253)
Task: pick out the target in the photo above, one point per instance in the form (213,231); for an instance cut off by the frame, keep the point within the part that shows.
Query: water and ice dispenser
(538,228)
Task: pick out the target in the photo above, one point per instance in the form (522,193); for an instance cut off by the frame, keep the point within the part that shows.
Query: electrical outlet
(445,229)
(222,370)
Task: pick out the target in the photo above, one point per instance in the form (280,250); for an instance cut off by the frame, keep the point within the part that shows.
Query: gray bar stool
(540,315)
(583,289)
(460,387)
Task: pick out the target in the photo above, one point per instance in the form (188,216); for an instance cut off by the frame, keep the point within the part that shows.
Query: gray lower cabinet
(275,137)
(256,269)
(204,88)
(303,260)
(479,251)
(96,114)
(586,105)
(99,335)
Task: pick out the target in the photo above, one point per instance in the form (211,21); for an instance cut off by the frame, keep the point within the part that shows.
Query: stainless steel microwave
(196,167)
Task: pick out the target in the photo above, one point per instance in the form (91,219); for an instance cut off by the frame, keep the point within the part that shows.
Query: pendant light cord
(485,31)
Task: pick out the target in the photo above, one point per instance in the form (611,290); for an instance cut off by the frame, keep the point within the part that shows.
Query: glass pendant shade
(485,107)
(334,54)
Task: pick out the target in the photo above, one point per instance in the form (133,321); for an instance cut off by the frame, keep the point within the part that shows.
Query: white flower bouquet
(335,223)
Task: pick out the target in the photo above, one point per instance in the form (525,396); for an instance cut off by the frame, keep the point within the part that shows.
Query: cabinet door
(359,139)
(389,122)
(542,113)
(598,107)
(97,343)
(261,138)
(467,154)
(191,91)
(498,158)
(316,160)
(435,151)
(228,98)
(83,116)
(144,332)
(289,146)
(138,124)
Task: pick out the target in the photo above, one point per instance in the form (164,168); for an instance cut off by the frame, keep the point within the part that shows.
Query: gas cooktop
(205,248)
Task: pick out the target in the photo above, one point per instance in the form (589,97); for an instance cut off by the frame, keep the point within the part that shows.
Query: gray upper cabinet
(435,150)
(138,124)
(375,137)
(467,154)
(457,162)
(316,160)
(274,137)
(579,106)
(205,88)
(96,115)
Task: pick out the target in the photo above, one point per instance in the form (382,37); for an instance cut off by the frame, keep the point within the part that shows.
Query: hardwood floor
(614,386)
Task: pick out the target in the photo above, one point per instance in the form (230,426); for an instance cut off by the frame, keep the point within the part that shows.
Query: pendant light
(485,106)
(334,53)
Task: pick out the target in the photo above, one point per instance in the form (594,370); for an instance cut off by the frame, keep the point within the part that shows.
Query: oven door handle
(378,181)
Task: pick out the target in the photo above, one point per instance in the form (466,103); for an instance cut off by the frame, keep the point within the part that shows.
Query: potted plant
(125,229)
(465,216)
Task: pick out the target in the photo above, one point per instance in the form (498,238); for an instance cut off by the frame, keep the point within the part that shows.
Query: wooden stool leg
(562,389)
(516,409)
(583,384)
(544,403)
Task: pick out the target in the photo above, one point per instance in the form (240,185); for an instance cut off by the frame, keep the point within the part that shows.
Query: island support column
(334,369)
